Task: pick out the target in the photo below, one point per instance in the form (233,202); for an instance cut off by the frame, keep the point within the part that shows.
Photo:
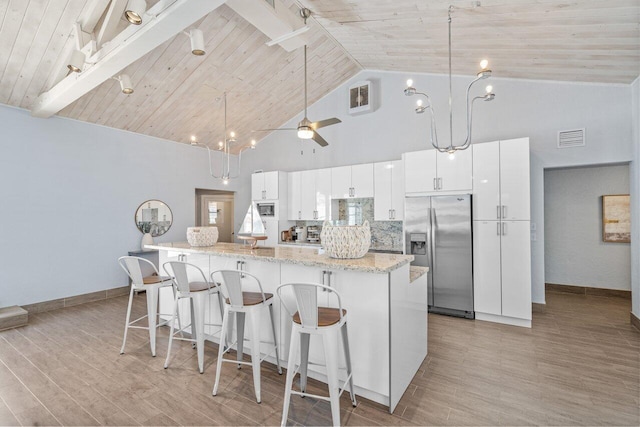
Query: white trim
(503,319)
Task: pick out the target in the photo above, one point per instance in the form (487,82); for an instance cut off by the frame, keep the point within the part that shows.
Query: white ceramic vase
(147,239)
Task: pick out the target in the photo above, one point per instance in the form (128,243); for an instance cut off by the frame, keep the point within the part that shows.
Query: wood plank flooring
(578,365)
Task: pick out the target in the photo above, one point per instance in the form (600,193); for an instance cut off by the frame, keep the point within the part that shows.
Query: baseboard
(55,304)
(537,307)
(585,290)
(13,317)
(505,320)
(635,321)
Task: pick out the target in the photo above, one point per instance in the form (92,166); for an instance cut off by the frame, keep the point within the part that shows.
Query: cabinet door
(487,292)
(271,181)
(341,182)
(362,180)
(516,269)
(308,195)
(514,179)
(419,171)
(257,186)
(455,171)
(486,181)
(323,194)
(397,190)
(295,194)
(382,191)
(272,232)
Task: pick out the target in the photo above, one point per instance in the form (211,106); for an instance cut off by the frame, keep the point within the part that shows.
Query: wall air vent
(571,138)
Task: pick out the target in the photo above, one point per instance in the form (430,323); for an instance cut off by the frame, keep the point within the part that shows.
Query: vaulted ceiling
(176,93)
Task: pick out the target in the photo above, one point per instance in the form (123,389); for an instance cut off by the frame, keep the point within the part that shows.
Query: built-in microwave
(267,209)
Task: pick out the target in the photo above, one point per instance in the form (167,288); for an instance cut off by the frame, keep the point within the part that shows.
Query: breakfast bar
(387,306)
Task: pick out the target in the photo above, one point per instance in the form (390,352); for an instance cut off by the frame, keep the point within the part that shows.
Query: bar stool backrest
(131,266)
(306,295)
(179,271)
(232,285)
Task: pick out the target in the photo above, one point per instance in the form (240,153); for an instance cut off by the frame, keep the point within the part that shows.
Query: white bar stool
(197,292)
(150,284)
(250,304)
(326,322)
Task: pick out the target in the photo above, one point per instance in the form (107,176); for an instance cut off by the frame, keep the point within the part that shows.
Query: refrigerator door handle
(432,220)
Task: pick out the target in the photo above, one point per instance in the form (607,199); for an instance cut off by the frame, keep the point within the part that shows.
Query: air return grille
(571,138)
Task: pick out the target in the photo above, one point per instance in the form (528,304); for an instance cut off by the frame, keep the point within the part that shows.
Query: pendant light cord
(450,86)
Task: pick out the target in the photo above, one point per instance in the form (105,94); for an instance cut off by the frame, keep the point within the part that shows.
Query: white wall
(635,200)
(69,192)
(537,109)
(574,252)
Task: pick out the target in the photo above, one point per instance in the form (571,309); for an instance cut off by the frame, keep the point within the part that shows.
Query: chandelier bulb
(409,83)
(225,181)
(253,144)
(484,64)
(194,140)
(489,89)
(232,134)
(419,102)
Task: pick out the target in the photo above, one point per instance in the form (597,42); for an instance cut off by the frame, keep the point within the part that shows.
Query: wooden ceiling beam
(164,21)
(91,16)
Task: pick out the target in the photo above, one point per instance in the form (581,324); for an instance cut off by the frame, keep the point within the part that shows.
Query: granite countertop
(312,257)
(417,271)
(375,247)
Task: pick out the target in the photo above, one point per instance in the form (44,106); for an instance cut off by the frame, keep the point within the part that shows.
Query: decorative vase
(202,236)
(350,241)
(147,239)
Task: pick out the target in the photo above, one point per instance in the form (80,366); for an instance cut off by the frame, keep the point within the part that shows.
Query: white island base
(387,313)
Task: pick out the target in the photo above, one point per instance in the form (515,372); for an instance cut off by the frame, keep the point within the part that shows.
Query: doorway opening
(215,208)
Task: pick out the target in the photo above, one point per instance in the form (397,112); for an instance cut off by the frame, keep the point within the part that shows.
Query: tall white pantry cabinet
(501,232)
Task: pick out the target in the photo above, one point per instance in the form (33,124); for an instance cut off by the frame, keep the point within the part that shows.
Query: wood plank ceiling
(175,92)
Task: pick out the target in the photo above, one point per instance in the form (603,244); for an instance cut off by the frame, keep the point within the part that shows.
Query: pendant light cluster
(133,13)
(224,145)
(421,107)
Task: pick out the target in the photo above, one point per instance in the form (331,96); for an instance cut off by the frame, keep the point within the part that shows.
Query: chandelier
(224,146)
(421,106)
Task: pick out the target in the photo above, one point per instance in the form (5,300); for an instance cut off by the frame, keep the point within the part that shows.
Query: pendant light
(421,107)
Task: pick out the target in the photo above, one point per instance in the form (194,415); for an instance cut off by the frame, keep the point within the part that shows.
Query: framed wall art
(616,218)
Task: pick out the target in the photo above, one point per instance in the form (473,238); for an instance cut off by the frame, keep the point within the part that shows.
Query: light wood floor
(578,365)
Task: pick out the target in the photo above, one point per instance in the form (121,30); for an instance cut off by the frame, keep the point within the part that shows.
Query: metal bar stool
(197,292)
(150,284)
(326,322)
(244,303)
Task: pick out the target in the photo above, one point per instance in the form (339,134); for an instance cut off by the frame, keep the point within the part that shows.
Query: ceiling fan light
(76,61)
(197,42)
(134,11)
(305,132)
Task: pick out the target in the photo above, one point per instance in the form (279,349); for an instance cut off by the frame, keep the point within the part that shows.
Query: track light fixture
(197,41)
(76,61)
(134,11)
(421,106)
(125,83)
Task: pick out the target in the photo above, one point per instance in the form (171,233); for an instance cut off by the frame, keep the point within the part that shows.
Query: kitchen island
(387,310)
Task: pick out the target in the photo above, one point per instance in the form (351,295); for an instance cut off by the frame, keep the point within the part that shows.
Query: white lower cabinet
(502,271)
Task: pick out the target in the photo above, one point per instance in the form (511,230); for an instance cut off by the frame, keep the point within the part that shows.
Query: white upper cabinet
(501,180)
(310,195)
(389,191)
(352,181)
(264,185)
(430,171)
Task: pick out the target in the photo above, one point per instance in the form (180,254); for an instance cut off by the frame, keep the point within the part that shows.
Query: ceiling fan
(306,128)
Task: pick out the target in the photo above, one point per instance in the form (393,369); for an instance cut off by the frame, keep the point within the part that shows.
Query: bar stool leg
(198,303)
(275,342)
(291,369)
(240,317)
(347,355)
(304,360)
(126,323)
(254,319)
(330,341)
(223,336)
(173,320)
(152,311)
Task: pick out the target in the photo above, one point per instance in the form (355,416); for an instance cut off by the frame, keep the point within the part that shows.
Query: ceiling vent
(571,138)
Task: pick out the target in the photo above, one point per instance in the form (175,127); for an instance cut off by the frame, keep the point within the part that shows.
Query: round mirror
(155,217)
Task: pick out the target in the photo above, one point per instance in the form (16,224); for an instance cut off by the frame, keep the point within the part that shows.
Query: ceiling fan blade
(323,123)
(320,140)
(269,130)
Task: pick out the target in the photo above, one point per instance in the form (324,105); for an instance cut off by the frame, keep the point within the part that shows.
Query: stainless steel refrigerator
(438,235)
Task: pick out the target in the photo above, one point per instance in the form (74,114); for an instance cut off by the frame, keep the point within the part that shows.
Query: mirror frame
(135,216)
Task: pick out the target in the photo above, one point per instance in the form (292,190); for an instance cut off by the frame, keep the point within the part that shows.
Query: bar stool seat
(151,285)
(329,323)
(244,304)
